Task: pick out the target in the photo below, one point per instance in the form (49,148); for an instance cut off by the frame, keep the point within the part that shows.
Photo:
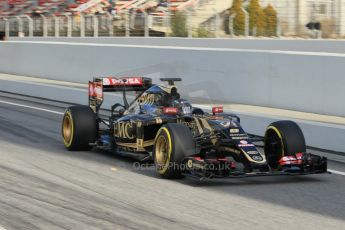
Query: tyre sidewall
(290,135)
(181,143)
(84,127)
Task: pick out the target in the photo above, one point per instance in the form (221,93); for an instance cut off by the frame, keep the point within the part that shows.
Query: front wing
(225,168)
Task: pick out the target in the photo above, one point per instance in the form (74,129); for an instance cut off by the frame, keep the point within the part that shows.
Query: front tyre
(173,143)
(283,138)
(79,128)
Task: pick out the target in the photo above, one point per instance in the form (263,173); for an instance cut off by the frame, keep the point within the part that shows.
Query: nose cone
(251,152)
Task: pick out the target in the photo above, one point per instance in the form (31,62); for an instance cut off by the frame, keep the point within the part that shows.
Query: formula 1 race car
(159,125)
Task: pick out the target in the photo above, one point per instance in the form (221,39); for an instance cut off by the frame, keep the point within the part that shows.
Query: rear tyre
(79,128)
(173,143)
(283,138)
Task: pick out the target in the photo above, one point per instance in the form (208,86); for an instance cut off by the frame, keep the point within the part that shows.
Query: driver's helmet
(167,98)
(184,107)
(159,96)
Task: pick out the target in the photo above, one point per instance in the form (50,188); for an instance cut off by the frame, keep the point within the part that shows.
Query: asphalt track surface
(43,186)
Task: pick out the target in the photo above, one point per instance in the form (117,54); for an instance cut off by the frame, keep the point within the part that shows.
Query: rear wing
(98,86)
(119,84)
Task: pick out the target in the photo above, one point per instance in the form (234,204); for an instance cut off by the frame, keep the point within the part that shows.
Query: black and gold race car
(159,125)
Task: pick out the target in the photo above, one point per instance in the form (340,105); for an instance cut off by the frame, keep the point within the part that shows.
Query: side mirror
(122,111)
(113,107)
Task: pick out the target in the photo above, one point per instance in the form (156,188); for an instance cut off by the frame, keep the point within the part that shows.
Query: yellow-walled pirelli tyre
(173,143)
(283,138)
(79,128)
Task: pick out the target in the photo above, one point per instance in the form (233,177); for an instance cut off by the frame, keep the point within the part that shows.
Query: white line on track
(336,172)
(31,107)
(60,113)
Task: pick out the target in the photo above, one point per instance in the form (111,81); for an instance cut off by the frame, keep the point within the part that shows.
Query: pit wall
(302,81)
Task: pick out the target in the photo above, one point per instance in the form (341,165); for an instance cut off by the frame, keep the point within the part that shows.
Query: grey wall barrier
(307,45)
(310,82)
